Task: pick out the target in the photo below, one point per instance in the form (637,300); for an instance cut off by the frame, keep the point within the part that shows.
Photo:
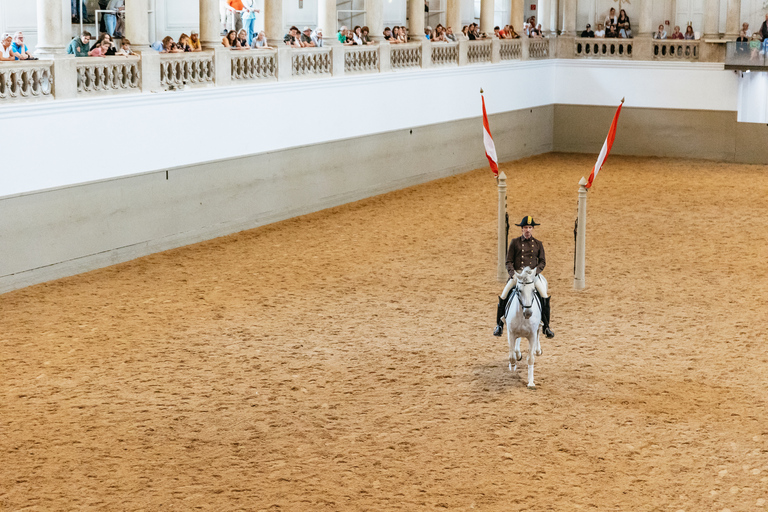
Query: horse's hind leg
(512,361)
(532,349)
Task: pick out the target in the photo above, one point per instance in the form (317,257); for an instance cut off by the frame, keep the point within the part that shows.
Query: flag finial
(481,90)
(622,101)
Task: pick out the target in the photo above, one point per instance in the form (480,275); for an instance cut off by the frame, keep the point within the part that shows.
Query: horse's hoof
(538,352)
(519,355)
(510,367)
(531,386)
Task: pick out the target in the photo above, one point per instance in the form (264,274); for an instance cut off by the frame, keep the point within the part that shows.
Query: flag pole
(581,238)
(501,273)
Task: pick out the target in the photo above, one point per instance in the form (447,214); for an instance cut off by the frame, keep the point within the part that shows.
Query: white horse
(523,318)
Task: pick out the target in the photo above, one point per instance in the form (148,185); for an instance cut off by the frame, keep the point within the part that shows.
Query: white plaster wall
(595,11)
(753,98)
(21,15)
(395,12)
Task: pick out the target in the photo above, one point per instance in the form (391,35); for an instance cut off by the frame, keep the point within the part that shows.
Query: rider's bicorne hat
(527,221)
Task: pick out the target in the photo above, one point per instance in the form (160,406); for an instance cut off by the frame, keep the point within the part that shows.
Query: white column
(733,19)
(646,19)
(210,23)
(516,15)
(486,16)
(137,24)
(453,15)
(711,29)
(327,19)
(581,238)
(273,22)
(501,270)
(52,33)
(544,17)
(416,19)
(374,19)
(569,17)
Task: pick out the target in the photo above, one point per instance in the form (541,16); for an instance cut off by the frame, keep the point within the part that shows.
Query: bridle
(520,296)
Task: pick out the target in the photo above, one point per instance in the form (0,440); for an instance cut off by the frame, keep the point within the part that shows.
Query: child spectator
(100,49)
(125,48)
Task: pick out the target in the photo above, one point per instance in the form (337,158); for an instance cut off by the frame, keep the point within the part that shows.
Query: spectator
(76,11)
(366,37)
(224,16)
(536,32)
(167,45)
(357,35)
(317,37)
(449,35)
(242,40)
(611,31)
(465,31)
(764,28)
(306,37)
(497,32)
(125,48)
(261,41)
(611,21)
(194,42)
(79,46)
(689,35)
(742,37)
(293,38)
(587,32)
(249,19)
(230,40)
(677,34)
(6,53)
(388,37)
(439,35)
(183,43)
(234,10)
(471,32)
(20,48)
(754,47)
(428,32)
(661,33)
(110,50)
(343,36)
(600,32)
(745,28)
(110,19)
(625,31)
(100,49)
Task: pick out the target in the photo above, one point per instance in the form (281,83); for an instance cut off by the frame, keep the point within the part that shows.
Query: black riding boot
(545,317)
(501,310)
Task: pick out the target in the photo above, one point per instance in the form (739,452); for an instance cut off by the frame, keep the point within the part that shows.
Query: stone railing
(180,70)
(361,59)
(479,51)
(445,54)
(26,81)
(253,65)
(538,49)
(675,49)
(311,62)
(107,75)
(405,56)
(603,48)
(511,49)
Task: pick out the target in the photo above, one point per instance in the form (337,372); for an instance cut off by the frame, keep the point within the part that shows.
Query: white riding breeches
(540,282)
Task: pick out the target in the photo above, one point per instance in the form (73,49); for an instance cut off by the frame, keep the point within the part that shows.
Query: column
(579,266)
(137,24)
(327,20)
(453,15)
(416,20)
(543,16)
(569,18)
(711,29)
(516,15)
(210,24)
(52,34)
(374,19)
(486,16)
(646,19)
(733,19)
(273,22)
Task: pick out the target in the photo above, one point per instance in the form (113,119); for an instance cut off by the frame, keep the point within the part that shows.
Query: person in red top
(235,9)
(677,34)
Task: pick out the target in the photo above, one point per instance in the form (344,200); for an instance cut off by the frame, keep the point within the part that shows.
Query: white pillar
(569,17)
(544,17)
(137,24)
(52,34)
(210,23)
(516,15)
(711,29)
(581,238)
(453,15)
(486,16)
(501,273)
(416,19)
(374,19)
(733,19)
(327,19)
(646,19)
(273,22)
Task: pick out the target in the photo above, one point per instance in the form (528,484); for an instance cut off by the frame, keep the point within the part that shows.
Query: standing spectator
(689,33)
(224,16)
(587,32)
(249,19)
(110,19)
(306,38)
(600,32)
(497,32)
(471,32)
(764,28)
(428,32)
(745,28)
(194,42)
(625,29)
(80,45)
(76,11)
(235,8)
(388,37)
(20,48)
(677,34)
(611,20)
(465,31)
(6,53)
(317,37)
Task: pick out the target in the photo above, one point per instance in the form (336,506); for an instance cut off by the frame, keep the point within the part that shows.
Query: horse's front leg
(512,360)
(533,349)
(518,354)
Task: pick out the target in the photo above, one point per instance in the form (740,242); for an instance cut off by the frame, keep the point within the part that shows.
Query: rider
(525,251)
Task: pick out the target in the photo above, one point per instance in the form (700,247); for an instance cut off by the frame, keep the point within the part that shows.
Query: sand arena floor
(344,360)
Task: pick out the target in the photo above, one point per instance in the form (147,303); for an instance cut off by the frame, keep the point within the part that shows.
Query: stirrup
(548,332)
(498,330)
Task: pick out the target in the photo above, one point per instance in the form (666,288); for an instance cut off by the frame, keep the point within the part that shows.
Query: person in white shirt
(6,53)
(317,37)
(599,32)
(612,19)
(745,28)
(661,33)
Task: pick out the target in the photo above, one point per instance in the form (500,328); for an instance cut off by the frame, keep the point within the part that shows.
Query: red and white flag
(490,148)
(603,156)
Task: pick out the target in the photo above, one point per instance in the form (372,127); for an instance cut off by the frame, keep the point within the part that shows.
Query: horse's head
(525,289)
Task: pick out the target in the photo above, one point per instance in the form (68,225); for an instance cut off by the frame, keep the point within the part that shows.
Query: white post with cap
(581,238)
(502,245)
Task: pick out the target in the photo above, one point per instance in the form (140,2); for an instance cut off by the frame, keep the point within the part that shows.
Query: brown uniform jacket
(525,253)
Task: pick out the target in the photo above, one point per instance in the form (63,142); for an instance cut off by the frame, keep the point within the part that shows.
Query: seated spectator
(449,35)
(689,35)
(625,31)
(79,46)
(306,38)
(742,37)
(317,37)
(194,42)
(6,53)
(101,48)
(661,33)
(293,38)
(754,47)
(677,34)
(242,40)
(261,41)
(611,31)
(364,35)
(600,32)
(20,48)
(125,48)
(745,29)
(587,32)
